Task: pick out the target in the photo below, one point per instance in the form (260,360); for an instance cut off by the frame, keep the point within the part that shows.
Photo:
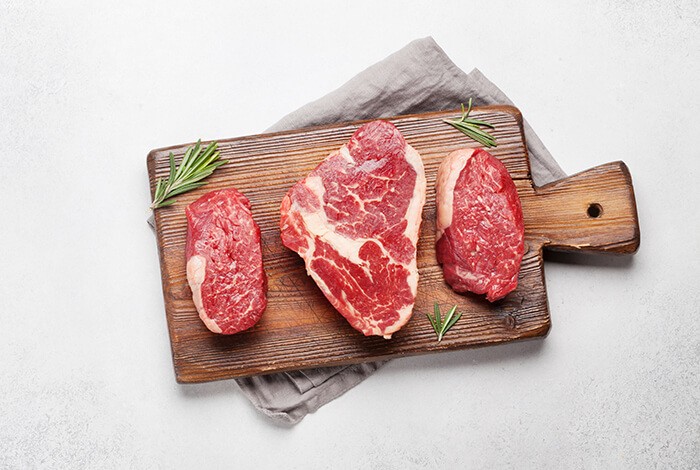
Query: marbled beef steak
(355,221)
(224,262)
(480,229)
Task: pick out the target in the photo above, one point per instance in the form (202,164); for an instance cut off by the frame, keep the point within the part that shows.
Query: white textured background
(86,380)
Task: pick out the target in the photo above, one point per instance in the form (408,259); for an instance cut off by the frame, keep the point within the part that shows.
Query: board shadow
(602,260)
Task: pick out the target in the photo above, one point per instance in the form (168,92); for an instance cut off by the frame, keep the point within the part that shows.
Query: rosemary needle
(196,165)
(470,127)
(442,326)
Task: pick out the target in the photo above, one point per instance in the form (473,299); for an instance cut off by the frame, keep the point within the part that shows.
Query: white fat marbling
(447,176)
(196,271)
(318,225)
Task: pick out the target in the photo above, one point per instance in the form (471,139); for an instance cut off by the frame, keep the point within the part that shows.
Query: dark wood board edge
(192,377)
(150,164)
(508,109)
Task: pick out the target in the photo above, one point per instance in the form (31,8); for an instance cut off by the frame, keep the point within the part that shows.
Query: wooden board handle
(593,210)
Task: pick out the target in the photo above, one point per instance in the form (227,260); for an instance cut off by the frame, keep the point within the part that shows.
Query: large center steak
(224,262)
(480,229)
(355,221)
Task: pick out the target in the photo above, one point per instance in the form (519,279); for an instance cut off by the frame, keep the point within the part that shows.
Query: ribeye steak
(355,221)
(480,230)
(224,262)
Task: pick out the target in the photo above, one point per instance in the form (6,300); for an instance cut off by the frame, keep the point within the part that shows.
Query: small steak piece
(224,262)
(480,229)
(355,220)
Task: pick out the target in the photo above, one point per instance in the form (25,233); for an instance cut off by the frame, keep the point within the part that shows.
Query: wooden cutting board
(591,211)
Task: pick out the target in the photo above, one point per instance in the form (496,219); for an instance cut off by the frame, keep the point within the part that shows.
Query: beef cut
(355,221)
(480,229)
(224,262)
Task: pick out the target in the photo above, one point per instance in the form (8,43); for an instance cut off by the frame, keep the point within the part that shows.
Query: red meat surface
(224,262)
(355,221)
(480,229)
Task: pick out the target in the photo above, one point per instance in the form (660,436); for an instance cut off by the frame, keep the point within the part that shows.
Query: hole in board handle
(595,210)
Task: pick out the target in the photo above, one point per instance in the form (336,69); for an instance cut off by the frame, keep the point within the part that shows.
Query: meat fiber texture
(224,262)
(480,229)
(355,221)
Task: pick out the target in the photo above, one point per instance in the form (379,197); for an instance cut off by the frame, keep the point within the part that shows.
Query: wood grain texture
(300,329)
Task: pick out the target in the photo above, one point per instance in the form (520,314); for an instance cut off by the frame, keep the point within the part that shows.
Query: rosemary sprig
(196,165)
(442,326)
(471,128)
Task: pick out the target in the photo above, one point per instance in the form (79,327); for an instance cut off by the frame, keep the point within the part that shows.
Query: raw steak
(480,230)
(224,262)
(355,220)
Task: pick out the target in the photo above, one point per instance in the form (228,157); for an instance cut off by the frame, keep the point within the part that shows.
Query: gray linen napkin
(418,78)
